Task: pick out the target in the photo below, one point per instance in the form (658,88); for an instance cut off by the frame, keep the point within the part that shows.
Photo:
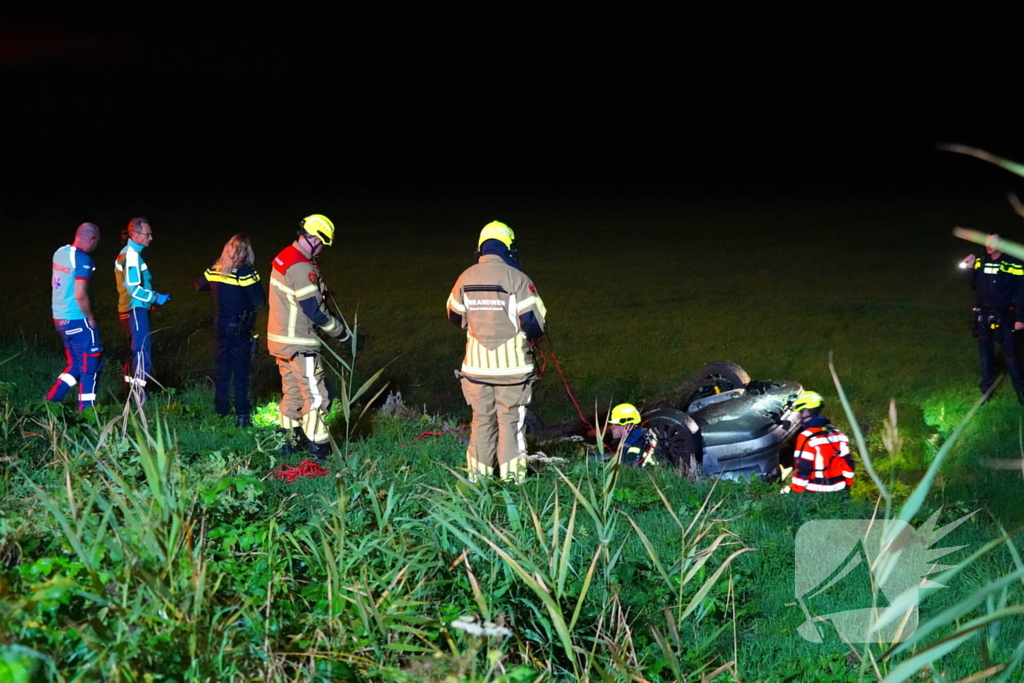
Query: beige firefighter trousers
(305,400)
(498,431)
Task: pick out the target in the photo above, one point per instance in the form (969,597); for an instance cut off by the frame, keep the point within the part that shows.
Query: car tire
(678,436)
(723,375)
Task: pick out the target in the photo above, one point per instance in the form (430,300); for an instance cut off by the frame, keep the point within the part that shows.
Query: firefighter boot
(295,441)
(320,451)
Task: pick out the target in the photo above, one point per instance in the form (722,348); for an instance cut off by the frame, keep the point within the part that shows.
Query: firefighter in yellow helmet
(637,445)
(822,460)
(498,306)
(297,311)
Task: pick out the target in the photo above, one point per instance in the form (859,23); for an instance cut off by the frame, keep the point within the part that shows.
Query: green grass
(395,504)
(774,287)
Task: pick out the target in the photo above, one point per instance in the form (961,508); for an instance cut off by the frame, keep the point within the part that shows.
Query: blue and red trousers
(84,361)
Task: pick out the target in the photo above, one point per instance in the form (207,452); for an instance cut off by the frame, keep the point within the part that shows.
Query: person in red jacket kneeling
(822,460)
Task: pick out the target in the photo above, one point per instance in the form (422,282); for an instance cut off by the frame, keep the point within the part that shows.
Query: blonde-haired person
(237,293)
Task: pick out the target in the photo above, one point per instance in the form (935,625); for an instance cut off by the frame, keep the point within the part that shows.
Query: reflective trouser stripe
(521,429)
(499,415)
(288,423)
(60,388)
(314,427)
(87,397)
(310,369)
(514,471)
(138,367)
(304,395)
(82,357)
(476,469)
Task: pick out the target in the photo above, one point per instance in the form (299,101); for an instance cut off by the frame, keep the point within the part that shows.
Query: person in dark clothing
(637,445)
(998,283)
(237,293)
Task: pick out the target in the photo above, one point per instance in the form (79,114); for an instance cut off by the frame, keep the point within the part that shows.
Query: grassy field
(640,292)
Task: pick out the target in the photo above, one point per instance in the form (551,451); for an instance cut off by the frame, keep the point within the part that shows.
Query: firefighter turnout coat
(500,310)
(822,459)
(297,306)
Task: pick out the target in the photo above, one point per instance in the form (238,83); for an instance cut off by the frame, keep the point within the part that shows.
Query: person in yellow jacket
(498,306)
(297,311)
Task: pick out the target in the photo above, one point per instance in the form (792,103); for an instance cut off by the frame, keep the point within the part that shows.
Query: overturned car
(725,423)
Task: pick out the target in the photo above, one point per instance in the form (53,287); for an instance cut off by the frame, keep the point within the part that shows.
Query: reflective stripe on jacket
(493,302)
(234,292)
(998,284)
(134,283)
(822,461)
(294,278)
(639,448)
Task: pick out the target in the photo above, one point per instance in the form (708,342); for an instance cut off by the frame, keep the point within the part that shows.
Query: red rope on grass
(306,468)
(432,434)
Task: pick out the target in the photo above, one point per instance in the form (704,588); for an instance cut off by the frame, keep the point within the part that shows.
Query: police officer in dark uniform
(237,293)
(998,283)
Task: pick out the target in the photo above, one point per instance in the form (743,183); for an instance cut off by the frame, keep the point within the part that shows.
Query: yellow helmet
(496,230)
(625,414)
(320,226)
(809,400)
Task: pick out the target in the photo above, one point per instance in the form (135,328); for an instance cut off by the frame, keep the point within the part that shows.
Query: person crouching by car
(637,445)
(822,459)
(237,293)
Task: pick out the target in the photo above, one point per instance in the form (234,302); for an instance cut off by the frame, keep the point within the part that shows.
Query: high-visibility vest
(822,461)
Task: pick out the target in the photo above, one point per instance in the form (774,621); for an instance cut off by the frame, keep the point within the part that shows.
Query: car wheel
(678,436)
(717,377)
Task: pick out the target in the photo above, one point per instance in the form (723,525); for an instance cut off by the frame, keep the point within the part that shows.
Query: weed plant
(137,558)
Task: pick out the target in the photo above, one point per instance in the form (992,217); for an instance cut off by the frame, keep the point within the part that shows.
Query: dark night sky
(398,100)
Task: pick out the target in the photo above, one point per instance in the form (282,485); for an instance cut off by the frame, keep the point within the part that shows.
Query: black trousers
(1005,337)
(233,364)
